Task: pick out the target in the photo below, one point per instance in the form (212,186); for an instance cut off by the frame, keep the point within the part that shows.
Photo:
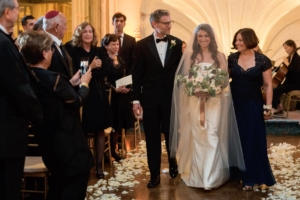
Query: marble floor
(176,189)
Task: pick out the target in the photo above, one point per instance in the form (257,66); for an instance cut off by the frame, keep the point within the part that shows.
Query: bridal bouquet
(208,79)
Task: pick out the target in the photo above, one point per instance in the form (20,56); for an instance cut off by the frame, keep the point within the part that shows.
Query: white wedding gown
(200,158)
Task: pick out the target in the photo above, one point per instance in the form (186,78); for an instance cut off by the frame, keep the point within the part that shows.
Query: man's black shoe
(153,182)
(173,169)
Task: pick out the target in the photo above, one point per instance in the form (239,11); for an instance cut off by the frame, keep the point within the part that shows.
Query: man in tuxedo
(55,24)
(127,43)
(18,105)
(157,58)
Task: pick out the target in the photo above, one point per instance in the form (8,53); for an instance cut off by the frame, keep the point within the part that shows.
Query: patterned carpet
(284,126)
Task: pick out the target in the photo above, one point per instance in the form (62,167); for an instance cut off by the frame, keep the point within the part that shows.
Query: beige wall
(274,21)
(131,9)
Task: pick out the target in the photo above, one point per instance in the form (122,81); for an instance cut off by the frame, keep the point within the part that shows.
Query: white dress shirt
(56,41)
(161,49)
(3,29)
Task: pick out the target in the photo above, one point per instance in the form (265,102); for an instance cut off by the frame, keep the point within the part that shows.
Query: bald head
(56,24)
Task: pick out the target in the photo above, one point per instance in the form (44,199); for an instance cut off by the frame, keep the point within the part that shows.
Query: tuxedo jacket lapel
(169,51)
(153,49)
(69,59)
(58,54)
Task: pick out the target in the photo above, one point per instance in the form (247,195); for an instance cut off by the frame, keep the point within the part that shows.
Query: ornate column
(105,20)
(80,12)
(95,17)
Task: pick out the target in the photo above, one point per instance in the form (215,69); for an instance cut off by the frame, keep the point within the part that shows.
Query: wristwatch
(84,84)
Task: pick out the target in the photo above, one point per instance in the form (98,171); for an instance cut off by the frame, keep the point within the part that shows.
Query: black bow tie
(159,40)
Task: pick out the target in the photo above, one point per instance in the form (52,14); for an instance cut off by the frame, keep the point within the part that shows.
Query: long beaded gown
(248,105)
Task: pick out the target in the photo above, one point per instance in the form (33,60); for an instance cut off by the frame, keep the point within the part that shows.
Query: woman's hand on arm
(96,63)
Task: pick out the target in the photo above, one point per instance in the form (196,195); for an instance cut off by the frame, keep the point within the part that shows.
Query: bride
(203,132)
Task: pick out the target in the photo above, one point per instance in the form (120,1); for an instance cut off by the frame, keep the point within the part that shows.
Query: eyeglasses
(167,23)
(19,9)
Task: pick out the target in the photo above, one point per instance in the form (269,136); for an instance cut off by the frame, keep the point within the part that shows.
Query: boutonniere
(173,43)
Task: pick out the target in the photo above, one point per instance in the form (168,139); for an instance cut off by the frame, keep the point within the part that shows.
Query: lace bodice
(246,84)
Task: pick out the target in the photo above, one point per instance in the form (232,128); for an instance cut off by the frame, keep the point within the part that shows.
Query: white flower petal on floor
(286,168)
(124,175)
(165,170)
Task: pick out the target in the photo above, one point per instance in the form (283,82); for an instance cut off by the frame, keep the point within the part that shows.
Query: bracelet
(268,107)
(84,84)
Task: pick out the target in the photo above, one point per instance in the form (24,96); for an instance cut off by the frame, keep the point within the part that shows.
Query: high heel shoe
(264,187)
(100,176)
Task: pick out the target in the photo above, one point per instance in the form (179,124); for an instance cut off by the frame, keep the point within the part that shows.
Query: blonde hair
(77,36)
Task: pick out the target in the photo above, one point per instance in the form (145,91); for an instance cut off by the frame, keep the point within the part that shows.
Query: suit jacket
(59,64)
(18,103)
(153,82)
(128,53)
(63,145)
(293,75)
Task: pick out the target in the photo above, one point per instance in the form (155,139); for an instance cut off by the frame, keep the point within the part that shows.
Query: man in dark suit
(157,58)
(127,43)
(18,106)
(55,24)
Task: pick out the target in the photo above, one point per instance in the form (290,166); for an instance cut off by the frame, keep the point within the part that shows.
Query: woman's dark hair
(290,43)
(108,38)
(32,44)
(77,36)
(213,47)
(249,38)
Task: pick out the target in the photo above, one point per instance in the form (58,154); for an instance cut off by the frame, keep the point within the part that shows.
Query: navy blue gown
(248,105)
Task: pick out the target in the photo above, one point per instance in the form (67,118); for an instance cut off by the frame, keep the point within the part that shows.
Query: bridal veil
(180,129)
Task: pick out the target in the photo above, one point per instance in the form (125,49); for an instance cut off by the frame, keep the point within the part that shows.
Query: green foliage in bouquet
(209,79)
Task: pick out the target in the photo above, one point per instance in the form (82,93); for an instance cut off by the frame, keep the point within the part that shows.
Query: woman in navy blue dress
(249,71)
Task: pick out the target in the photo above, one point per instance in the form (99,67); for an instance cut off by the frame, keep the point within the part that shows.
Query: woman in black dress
(292,79)
(96,109)
(122,114)
(250,70)
(61,140)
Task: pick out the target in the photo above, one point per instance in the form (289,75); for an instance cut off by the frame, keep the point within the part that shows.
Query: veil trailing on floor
(180,126)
